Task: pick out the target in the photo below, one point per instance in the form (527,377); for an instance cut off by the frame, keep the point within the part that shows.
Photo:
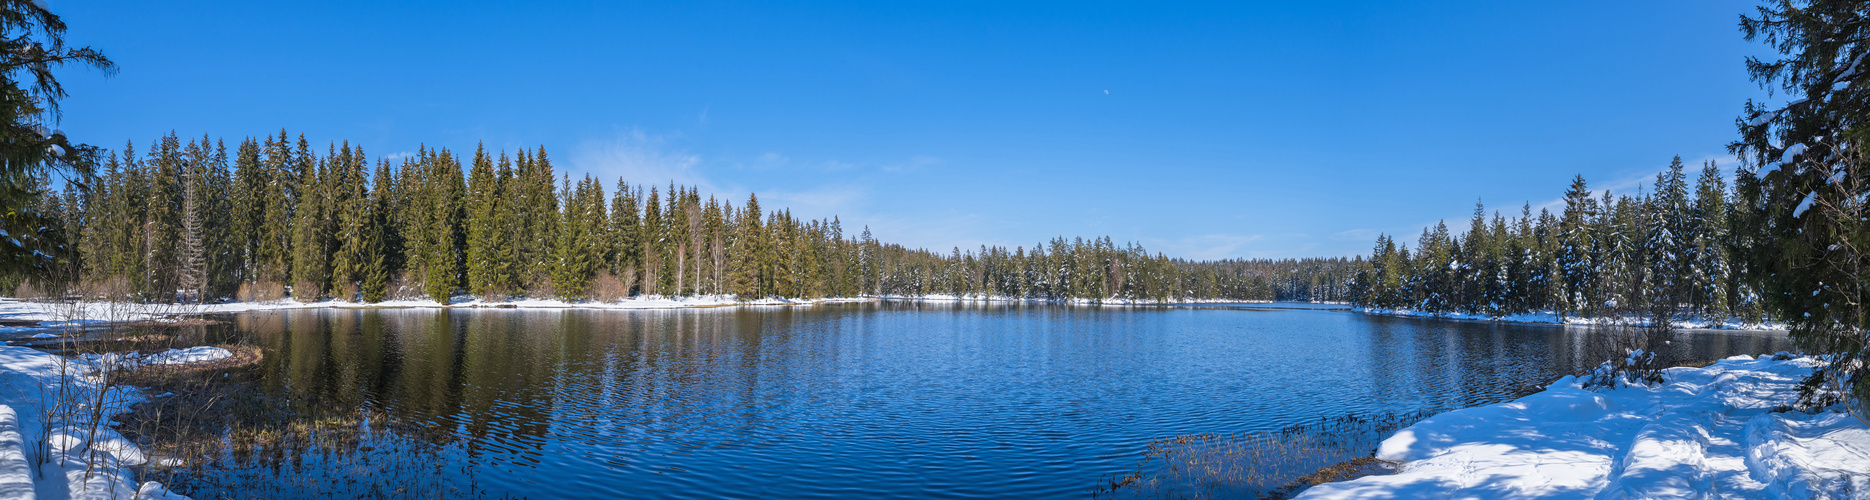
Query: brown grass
(170,377)
(1347,470)
(1266,464)
(264,291)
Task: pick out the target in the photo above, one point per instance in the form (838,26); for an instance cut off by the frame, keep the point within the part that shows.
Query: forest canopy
(196,220)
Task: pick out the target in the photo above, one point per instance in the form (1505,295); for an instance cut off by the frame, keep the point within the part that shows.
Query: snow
(53,315)
(1548,317)
(1794,150)
(1112,301)
(169,357)
(26,376)
(1806,204)
(1705,433)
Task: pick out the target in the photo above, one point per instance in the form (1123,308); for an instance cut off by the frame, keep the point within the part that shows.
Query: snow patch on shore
(1554,319)
(1113,301)
(170,357)
(1706,433)
(27,381)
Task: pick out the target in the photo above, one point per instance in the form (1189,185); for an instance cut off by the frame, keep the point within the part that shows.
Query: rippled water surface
(880,399)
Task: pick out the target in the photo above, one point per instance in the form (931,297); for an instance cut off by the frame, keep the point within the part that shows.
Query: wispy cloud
(640,158)
(1207,246)
(820,202)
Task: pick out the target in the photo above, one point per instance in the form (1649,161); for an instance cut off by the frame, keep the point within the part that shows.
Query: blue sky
(1205,130)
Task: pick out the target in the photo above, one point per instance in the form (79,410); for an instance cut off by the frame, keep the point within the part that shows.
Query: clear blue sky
(1206,130)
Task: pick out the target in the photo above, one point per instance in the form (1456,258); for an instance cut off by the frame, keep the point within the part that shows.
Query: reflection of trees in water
(1466,363)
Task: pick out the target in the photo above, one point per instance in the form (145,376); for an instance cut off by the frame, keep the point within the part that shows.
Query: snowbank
(51,315)
(1553,318)
(946,297)
(56,315)
(1706,433)
(27,379)
(170,357)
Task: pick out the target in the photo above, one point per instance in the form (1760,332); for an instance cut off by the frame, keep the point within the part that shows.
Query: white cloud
(640,158)
(821,202)
(1208,246)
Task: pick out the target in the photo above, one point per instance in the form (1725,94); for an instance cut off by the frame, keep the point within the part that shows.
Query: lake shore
(28,316)
(1549,318)
(48,455)
(1712,431)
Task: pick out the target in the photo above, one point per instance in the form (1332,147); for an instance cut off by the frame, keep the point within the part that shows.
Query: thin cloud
(640,158)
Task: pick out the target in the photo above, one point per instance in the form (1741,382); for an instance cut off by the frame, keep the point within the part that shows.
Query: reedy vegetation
(189,219)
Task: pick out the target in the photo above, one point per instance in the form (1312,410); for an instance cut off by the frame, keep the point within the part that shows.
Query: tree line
(1670,253)
(195,221)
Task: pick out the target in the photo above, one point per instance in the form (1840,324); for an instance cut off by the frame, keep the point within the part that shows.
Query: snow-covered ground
(946,297)
(57,315)
(81,460)
(52,315)
(1552,318)
(1706,433)
(170,357)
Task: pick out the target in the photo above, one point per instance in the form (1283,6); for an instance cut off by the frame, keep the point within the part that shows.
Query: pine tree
(489,253)
(625,229)
(310,267)
(1709,268)
(748,251)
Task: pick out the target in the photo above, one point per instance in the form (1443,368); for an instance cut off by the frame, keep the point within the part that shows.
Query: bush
(264,291)
(27,290)
(539,286)
(306,291)
(607,288)
(1638,356)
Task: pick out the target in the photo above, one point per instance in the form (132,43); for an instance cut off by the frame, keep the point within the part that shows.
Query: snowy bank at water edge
(170,357)
(1553,319)
(68,457)
(67,314)
(945,297)
(1705,433)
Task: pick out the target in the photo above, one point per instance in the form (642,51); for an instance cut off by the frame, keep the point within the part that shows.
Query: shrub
(263,291)
(1638,356)
(27,290)
(306,291)
(607,288)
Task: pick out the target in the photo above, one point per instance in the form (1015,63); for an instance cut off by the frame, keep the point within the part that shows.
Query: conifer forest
(1675,252)
(197,220)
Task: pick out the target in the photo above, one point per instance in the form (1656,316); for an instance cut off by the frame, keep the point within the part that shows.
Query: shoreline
(31,316)
(1548,318)
(1720,429)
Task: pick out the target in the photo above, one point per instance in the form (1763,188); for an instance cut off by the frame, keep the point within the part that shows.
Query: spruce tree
(489,251)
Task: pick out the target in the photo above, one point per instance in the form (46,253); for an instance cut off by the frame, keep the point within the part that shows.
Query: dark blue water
(874,400)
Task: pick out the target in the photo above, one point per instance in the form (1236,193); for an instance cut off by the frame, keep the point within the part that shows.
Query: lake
(871,400)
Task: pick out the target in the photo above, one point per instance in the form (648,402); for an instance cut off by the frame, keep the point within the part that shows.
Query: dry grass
(1266,464)
(1348,470)
(28,290)
(264,291)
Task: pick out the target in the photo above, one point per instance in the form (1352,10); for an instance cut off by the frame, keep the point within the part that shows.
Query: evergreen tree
(489,251)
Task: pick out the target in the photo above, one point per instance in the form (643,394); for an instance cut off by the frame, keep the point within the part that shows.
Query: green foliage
(1666,256)
(1805,206)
